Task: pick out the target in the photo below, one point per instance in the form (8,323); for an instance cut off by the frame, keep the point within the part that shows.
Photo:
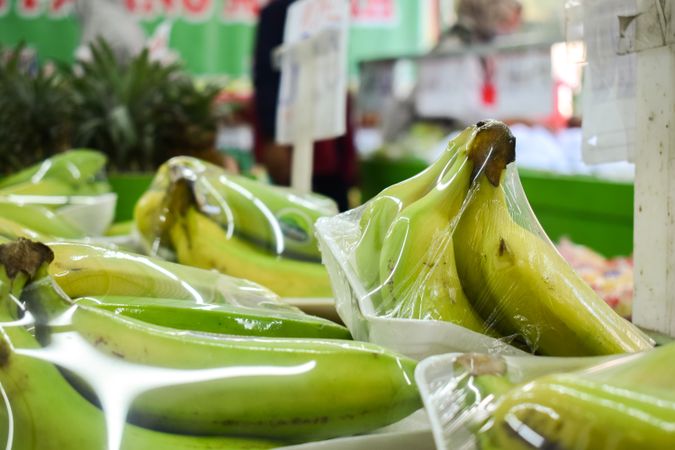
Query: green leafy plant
(140,113)
(35,111)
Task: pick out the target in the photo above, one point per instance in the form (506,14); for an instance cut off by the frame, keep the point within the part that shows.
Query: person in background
(335,164)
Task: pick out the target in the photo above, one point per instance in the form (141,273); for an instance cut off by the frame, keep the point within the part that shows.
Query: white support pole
(654,227)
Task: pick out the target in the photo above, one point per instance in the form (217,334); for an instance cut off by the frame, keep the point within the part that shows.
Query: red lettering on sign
(29,7)
(3,7)
(239,8)
(169,6)
(60,6)
(131,5)
(196,7)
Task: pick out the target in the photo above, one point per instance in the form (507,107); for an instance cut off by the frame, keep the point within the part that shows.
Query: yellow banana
(379,212)
(418,274)
(86,270)
(624,404)
(201,242)
(523,287)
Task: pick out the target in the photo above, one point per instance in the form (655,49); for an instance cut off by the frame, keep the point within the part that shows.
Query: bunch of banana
(73,172)
(522,287)
(214,220)
(446,247)
(41,410)
(625,403)
(290,389)
(271,217)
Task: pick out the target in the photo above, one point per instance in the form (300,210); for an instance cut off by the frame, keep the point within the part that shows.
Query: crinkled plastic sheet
(199,214)
(451,260)
(477,401)
(76,375)
(65,196)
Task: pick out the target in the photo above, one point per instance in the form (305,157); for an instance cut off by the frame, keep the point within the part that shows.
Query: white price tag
(609,92)
(312,98)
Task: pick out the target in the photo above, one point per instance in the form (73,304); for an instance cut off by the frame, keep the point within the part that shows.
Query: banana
(40,219)
(274,388)
(43,188)
(201,242)
(380,212)
(417,265)
(523,287)
(41,410)
(84,270)
(225,319)
(627,403)
(74,168)
(13,230)
(274,218)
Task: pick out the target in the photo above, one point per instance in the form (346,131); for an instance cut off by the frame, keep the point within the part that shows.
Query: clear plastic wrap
(201,215)
(90,374)
(453,259)
(64,196)
(477,401)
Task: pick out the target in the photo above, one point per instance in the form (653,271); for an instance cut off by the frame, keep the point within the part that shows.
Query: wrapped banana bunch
(114,370)
(453,259)
(488,402)
(203,216)
(65,196)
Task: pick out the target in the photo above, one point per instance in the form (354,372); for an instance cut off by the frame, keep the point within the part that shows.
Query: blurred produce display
(611,278)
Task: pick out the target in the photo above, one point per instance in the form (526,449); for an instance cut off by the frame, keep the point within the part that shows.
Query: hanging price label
(313,60)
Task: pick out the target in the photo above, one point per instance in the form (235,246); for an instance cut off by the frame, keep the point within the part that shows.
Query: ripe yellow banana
(41,410)
(624,404)
(201,242)
(294,389)
(523,287)
(86,270)
(379,213)
(418,274)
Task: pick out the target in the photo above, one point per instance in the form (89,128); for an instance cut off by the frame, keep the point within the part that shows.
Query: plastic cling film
(485,402)
(65,196)
(459,244)
(203,216)
(129,383)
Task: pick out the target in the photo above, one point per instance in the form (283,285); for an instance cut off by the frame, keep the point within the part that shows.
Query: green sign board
(212,37)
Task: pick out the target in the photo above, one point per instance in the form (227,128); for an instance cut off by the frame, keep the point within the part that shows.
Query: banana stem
(492,149)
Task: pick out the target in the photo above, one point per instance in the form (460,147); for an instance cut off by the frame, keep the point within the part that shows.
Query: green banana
(276,388)
(227,319)
(123,228)
(523,287)
(84,270)
(274,218)
(379,213)
(74,167)
(44,188)
(13,230)
(42,411)
(40,219)
(626,403)
(418,274)
(201,242)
